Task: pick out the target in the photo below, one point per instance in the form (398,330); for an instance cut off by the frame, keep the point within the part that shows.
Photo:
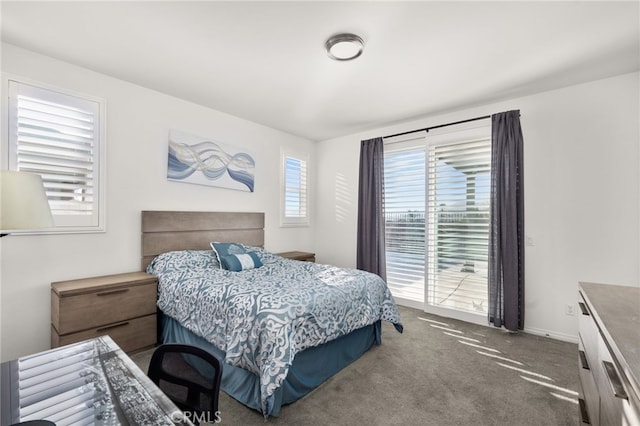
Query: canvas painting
(202,161)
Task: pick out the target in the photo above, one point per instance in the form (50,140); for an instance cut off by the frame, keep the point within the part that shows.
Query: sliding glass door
(437,220)
(405,170)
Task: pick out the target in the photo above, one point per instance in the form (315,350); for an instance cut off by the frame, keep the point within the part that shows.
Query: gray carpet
(428,377)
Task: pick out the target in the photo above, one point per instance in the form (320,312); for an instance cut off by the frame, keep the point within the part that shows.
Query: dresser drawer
(107,306)
(619,403)
(612,389)
(589,333)
(131,335)
(588,384)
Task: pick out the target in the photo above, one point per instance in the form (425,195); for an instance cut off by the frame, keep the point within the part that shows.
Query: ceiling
(265,61)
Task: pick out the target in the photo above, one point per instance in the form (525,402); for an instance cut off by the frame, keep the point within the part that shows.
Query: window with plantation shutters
(436,205)
(295,192)
(58,136)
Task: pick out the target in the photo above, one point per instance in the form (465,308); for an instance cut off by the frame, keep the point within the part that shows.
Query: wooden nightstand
(122,306)
(299,255)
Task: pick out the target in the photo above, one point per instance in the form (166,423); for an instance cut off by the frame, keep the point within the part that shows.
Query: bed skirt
(305,373)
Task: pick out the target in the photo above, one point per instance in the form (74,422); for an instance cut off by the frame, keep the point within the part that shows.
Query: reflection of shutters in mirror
(56,135)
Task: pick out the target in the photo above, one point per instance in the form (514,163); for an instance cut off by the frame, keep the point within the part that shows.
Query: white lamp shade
(23,202)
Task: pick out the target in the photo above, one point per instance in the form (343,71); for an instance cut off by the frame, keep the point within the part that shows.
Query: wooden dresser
(122,306)
(609,354)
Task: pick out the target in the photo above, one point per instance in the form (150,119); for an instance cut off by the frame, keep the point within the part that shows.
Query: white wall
(138,122)
(581,193)
(582,197)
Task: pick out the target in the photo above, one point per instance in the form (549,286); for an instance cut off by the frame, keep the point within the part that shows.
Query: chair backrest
(190,376)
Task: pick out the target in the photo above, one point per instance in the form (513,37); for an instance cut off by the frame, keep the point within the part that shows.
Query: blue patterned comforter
(263,317)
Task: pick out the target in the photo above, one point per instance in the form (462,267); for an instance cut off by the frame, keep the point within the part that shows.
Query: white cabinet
(609,354)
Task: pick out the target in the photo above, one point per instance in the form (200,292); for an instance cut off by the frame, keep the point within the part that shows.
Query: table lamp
(23,202)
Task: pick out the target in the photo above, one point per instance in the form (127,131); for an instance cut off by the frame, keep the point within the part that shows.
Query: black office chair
(190,377)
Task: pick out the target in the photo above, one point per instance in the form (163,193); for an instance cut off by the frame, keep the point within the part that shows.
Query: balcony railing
(456,263)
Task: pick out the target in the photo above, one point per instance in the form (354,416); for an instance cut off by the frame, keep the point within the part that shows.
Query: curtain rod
(426,129)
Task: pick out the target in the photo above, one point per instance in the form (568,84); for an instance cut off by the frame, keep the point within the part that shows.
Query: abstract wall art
(203,161)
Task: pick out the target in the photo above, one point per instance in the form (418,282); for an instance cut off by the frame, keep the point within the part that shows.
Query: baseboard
(444,313)
(481,321)
(409,303)
(552,334)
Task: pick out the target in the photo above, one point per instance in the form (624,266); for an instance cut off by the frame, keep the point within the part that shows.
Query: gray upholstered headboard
(164,231)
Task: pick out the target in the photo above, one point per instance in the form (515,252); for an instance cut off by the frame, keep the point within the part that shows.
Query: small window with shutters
(295,208)
(58,135)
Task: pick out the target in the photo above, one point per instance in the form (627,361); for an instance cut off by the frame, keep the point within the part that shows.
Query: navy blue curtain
(506,236)
(370,238)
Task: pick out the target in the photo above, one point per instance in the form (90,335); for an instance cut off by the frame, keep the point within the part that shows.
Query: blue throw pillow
(241,262)
(225,249)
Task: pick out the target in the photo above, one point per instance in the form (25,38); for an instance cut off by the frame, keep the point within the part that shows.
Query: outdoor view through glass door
(437,219)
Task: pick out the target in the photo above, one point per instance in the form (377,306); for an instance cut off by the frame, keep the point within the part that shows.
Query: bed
(282,326)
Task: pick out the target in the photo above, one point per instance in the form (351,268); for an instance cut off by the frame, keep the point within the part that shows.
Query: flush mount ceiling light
(344,47)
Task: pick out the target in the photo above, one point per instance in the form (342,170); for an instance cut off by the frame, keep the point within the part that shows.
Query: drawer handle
(583,308)
(583,360)
(584,414)
(110,327)
(614,380)
(109,293)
